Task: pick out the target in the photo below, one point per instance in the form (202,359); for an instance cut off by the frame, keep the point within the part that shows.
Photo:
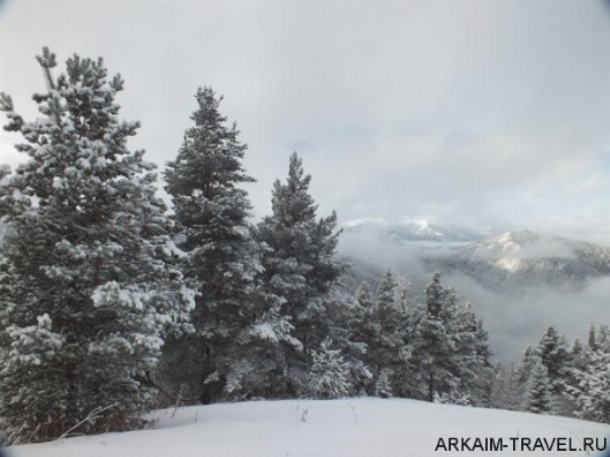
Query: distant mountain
(405,231)
(520,282)
(525,258)
(494,260)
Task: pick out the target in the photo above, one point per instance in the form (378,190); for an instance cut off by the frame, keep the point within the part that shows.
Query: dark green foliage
(211,212)
(89,282)
(299,268)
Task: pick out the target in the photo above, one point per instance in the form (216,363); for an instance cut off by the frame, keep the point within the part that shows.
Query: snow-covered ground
(364,427)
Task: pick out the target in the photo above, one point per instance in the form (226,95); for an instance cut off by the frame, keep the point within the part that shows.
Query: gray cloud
(481,113)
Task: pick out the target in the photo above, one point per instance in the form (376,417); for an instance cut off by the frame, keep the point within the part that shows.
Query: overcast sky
(478,113)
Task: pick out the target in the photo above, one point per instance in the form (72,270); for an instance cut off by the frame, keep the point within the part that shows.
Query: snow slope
(363,427)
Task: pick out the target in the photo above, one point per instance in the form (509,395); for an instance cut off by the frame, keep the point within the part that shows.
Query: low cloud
(515,317)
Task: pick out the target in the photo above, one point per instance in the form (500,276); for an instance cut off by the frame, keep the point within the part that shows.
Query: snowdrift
(365,427)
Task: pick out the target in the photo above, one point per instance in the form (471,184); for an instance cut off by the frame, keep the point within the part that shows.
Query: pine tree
(578,355)
(539,398)
(386,342)
(603,339)
(446,354)
(472,351)
(435,296)
(588,381)
(590,391)
(524,372)
(258,359)
(386,294)
(363,298)
(352,329)
(299,265)
(555,358)
(527,364)
(383,385)
(90,287)
(433,346)
(330,374)
(211,213)
(592,338)
(403,297)
(505,388)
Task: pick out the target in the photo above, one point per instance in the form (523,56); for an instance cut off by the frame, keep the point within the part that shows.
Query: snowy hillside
(341,428)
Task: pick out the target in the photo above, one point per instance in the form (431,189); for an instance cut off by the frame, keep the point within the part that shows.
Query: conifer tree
(353,329)
(554,356)
(592,338)
(527,364)
(90,286)
(403,297)
(386,342)
(432,346)
(211,212)
(590,391)
(383,385)
(473,354)
(299,265)
(505,388)
(446,354)
(363,298)
(539,399)
(603,339)
(588,381)
(524,373)
(579,355)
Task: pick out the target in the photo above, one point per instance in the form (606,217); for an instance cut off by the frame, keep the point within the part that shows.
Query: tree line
(553,378)
(113,303)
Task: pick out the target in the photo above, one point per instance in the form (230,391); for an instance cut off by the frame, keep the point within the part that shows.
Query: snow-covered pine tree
(435,296)
(299,265)
(592,338)
(90,284)
(579,355)
(403,296)
(364,330)
(539,395)
(524,372)
(527,364)
(432,348)
(258,358)
(211,212)
(590,390)
(386,294)
(505,388)
(588,380)
(472,351)
(330,373)
(579,361)
(385,345)
(383,383)
(364,299)
(484,355)
(350,326)
(603,339)
(555,357)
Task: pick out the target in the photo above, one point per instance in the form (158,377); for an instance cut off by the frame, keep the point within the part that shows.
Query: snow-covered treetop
(78,143)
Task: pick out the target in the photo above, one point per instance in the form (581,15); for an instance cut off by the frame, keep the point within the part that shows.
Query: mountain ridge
(495,259)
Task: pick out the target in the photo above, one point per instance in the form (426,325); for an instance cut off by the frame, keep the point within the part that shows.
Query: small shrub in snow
(330,374)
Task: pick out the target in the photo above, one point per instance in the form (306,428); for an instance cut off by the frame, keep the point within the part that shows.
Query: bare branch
(92,415)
